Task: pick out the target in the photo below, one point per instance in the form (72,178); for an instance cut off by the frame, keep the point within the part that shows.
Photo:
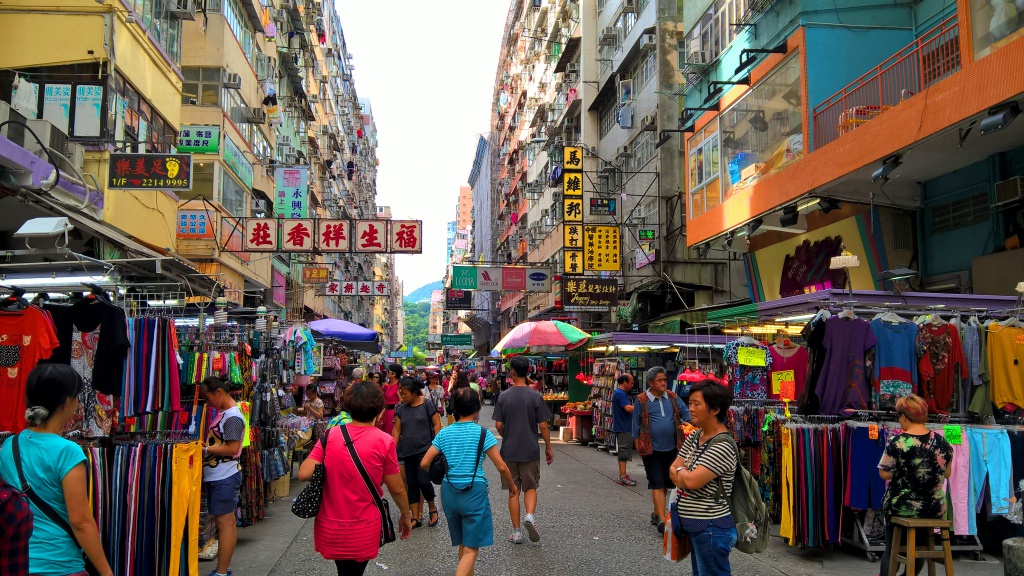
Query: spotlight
(727,244)
(729,140)
(999,118)
(789,217)
(758,122)
(753,225)
(828,204)
(703,249)
(888,165)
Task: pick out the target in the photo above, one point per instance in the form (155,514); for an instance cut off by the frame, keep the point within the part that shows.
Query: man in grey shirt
(518,413)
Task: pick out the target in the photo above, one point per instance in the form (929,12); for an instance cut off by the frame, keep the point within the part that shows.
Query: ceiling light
(807,203)
(888,165)
(53,281)
(828,204)
(753,225)
(790,216)
(35,227)
(797,317)
(898,274)
(999,118)
(727,244)
(758,122)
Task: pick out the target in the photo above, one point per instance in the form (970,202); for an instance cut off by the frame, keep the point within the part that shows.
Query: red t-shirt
(348,525)
(26,337)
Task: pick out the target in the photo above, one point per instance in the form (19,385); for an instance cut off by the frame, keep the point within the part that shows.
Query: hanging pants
(990,455)
(188,479)
(958,488)
(786,524)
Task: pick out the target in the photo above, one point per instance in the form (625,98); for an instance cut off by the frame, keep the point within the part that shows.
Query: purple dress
(843,384)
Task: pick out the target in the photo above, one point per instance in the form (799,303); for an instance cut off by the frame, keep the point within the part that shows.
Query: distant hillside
(422,294)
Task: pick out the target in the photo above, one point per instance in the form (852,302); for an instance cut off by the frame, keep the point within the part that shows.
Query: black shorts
(657,466)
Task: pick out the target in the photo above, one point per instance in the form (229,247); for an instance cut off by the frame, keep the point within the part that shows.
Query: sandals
(434,519)
(654,519)
(416,523)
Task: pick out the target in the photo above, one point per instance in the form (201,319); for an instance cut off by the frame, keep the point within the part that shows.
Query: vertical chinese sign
(407,236)
(602,249)
(572,209)
(291,185)
(261,235)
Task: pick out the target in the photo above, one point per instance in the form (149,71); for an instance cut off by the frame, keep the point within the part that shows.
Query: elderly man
(657,417)
(357,374)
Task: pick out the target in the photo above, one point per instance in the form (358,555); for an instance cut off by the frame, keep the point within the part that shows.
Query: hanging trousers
(188,478)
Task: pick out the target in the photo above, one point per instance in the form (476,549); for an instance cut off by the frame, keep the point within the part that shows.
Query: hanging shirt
(814,335)
(942,366)
(26,337)
(896,357)
(91,315)
(748,381)
(788,364)
(843,384)
(1006,364)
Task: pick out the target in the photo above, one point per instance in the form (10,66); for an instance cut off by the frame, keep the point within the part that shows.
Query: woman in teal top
(464,491)
(55,470)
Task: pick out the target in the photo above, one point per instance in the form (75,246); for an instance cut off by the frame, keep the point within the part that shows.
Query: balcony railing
(930,59)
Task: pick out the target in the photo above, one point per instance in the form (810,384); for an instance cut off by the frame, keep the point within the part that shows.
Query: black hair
(465,401)
(623,379)
(47,388)
(396,368)
(377,374)
(312,387)
(412,385)
(462,380)
(211,384)
(715,396)
(520,366)
(365,401)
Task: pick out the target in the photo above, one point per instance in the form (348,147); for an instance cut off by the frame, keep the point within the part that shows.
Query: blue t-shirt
(46,459)
(663,428)
(459,442)
(622,421)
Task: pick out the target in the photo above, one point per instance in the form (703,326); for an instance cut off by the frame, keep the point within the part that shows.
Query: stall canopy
(349,334)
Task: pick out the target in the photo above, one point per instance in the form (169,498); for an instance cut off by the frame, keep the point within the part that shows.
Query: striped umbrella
(545,336)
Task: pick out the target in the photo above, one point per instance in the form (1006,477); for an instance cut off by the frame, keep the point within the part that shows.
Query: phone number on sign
(164,182)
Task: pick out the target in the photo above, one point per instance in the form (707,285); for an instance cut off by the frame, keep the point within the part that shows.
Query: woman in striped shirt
(700,469)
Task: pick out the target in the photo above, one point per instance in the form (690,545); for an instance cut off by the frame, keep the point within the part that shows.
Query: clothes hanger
(15,302)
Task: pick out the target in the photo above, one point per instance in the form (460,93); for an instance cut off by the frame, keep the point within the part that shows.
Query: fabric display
(1005,356)
(812,473)
(842,386)
(749,377)
(789,363)
(27,336)
(942,367)
(896,358)
(152,376)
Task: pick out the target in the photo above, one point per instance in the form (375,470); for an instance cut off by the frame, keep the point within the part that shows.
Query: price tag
(954,435)
(778,377)
(873,432)
(183,417)
(788,390)
(752,356)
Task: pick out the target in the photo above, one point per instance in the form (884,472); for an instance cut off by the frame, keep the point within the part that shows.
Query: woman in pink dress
(347,529)
(391,398)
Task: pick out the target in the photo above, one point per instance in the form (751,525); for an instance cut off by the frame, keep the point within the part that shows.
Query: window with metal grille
(960,213)
(902,231)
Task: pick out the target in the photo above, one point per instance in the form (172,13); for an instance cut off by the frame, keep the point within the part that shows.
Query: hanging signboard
(458,299)
(601,244)
(589,294)
(602,207)
(572,209)
(327,236)
(370,235)
(356,288)
(149,172)
(456,339)
(572,184)
(501,278)
(261,235)
(407,236)
(199,139)
(296,235)
(194,224)
(315,275)
(235,160)
(573,263)
(572,235)
(333,235)
(290,186)
(572,158)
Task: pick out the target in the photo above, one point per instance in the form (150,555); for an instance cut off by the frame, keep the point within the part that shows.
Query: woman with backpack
(704,472)
(467,507)
(416,424)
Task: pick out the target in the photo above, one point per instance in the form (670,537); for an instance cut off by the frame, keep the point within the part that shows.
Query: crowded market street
(588,525)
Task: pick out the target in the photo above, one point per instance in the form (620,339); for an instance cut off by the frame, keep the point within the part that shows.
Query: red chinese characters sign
(333,235)
(407,236)
(149,172)
(261,235)
(297,235)
(370,235)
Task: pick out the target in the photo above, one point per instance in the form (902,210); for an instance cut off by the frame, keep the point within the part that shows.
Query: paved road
(589,525)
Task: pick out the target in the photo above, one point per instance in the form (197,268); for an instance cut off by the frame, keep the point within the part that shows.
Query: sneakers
(661,527)
(530,523)
(516,537)
(214,573)
(626,481)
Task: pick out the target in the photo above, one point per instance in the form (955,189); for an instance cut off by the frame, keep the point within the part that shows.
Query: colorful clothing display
(896,358)
(749,380)
(1006,364)
(26,337)
(942,367)
(843,384)
(788,364)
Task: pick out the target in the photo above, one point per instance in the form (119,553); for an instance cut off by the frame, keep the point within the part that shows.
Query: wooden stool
(908,554)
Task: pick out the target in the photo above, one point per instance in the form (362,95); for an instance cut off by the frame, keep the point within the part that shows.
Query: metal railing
(930,59)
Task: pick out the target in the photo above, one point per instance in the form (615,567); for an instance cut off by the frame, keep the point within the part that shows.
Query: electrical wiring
(46,149)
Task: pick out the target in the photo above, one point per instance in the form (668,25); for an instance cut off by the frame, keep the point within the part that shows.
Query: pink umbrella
(545,336)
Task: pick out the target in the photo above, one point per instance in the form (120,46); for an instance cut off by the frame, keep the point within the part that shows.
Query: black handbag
(45,508)
(439,466)
(307,503)
(387,529)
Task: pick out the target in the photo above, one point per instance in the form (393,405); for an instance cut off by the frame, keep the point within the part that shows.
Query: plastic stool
(908,553)
(298,455)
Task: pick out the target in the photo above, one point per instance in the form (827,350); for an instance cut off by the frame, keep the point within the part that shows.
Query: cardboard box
(565,434)
(282,486)
(750,170)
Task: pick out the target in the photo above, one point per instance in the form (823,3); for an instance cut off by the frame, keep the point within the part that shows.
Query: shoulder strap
(430,418)
(43,507)
(362,471)
(720,494)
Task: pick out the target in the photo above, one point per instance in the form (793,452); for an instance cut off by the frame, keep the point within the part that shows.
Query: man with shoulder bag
(657,432)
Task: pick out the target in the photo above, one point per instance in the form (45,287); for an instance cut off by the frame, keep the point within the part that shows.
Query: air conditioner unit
(325,130)
(571,78)
(233,81)
(285,150)
(288,4)
(248,115)
(699,57)
(1009,191)
(291,159)
(572,67)
(624,152)
(628,6)
(648,41)
(650,122)
(259,205)
(284,141)
(69,157)
(609,36)
(313,98)
(183,9)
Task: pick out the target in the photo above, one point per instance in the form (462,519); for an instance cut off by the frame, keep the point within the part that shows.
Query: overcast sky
(428,70)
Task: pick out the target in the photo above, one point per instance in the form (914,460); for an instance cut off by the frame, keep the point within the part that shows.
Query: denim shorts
(222,495)
(710,549)
(468,514)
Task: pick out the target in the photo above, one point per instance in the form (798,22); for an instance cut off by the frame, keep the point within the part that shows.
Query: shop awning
(654,339)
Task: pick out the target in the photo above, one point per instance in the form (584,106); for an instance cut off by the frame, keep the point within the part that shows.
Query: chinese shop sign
(333,235)
(458,299)
(315,275)
(290,187)
(501,278)
(572,235)
(149,172)
(456,339)
(601,246)
(572,209)
(602,207)
(407,236)
(573,263)
(572,159)
(589,294)
(261,235)
(199,139)
(235,160)
(194,225)
(370,235)
(356,288)
(329,235)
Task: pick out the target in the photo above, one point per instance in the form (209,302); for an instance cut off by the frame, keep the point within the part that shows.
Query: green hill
(422,294)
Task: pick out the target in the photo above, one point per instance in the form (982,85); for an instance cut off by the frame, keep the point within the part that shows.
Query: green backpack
(753,524)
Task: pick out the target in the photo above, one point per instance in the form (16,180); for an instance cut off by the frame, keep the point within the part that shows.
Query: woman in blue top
(55,470)
(464,490)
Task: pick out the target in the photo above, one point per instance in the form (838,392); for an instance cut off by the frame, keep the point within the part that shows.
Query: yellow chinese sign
(572,209)
(572,158)
(573,262)
(572,184)
(572,235)
(602,248)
